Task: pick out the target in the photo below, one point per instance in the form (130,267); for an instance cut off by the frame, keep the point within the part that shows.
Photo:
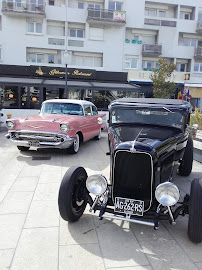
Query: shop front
(23,89)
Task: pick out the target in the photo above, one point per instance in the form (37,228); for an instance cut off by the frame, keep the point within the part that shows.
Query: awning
(71,84)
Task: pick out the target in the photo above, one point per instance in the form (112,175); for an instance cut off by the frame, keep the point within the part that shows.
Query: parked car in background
(62,123)
(148,140)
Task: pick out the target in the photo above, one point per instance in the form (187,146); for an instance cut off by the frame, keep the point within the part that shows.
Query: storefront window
(34,97)
(9,96)
(102,99)
(24,97)
(74,94)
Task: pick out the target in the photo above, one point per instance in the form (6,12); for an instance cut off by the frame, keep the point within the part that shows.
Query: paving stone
(51,176)
(132,268)
(179,232)
(119,246)
(25,184)
(6,256)
(42,214)
(37,250)
(147,233)
(10,230)
(167,254)
(80,232)
(16,202)
(76,257)
(31,171)
(199,265)
(46,192)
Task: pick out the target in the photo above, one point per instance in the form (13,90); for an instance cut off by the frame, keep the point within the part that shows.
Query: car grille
(133,176)
(37,136)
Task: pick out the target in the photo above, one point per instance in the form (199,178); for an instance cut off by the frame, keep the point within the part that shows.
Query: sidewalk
(34,237)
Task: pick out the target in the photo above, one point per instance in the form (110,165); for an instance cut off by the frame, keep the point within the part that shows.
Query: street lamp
(65,59)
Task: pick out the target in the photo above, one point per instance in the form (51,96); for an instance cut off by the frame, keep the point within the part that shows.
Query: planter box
(127,41)
(139,42)
(134,41)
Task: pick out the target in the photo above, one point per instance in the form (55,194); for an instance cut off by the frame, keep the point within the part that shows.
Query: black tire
(23,148)
(185,167)
(70,202)
(74,148)
(195,211)
(98,136)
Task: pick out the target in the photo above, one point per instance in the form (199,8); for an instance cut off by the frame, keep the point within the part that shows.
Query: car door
(88,127)
(96,126)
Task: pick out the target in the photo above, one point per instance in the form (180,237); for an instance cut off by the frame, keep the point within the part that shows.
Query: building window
(181,67)
(34,27)
(80,5)
(56,41)
(35,58)
(184,15)
(198,67)
(79,33)
(162,13)
(94,6)
(115,5)
(55,30)
(136,37)
(150,12)
(87,59)
(51,2)
(96,33)
(130,63)
(51,59)
(190,42)
(200,16)
(146,64)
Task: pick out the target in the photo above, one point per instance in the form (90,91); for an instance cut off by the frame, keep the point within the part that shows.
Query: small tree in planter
(163,88)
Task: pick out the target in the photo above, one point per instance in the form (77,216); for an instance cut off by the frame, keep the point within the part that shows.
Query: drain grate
(41,158)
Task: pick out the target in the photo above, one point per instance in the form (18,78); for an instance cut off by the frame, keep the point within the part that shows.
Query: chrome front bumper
(40,140)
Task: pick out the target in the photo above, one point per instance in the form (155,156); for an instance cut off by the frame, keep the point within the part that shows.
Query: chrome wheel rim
(76,143)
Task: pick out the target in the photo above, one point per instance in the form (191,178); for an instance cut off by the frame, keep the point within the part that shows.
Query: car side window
(87,110)
(94,110)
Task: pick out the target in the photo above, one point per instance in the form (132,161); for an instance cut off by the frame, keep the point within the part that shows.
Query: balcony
(160,22)
(12,8)
(151,50)
(198,53)
(199,27)
(106,16)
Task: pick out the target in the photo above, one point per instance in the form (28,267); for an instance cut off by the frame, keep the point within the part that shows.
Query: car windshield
(62,108)
(160,117)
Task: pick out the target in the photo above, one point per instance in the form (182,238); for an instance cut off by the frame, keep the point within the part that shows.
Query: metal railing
(160,22)
(152,49)
(23,7)
(198,52)
(106,15)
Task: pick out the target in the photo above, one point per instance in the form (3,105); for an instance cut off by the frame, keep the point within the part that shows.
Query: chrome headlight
(167,194)
(10,124)
(64,127)
(96,184)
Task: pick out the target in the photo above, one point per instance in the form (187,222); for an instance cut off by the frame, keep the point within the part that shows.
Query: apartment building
(112,46)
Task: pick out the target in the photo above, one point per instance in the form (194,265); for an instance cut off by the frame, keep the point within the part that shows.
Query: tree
(163,88)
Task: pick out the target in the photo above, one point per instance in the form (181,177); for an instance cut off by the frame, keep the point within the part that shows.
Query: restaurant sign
(88,74)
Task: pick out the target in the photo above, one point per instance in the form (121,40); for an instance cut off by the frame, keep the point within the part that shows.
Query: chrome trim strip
(130,220)
(136,152)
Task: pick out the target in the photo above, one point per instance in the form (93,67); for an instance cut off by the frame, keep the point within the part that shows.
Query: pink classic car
(62,123)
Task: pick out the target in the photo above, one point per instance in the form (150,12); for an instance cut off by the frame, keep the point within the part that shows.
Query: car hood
(46,122)
(144,138)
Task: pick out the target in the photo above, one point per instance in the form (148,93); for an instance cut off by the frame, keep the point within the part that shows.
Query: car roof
(75,101)
(152,101)
(175,104)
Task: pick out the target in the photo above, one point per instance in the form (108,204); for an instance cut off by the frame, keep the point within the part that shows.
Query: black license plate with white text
(129,206)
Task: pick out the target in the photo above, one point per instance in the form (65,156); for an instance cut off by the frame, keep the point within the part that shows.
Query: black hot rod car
(148,139)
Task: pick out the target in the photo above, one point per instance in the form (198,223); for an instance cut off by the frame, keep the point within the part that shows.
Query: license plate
(129,206)
(34,143)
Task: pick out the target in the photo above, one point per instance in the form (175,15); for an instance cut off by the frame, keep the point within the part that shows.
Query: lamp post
(65,58)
